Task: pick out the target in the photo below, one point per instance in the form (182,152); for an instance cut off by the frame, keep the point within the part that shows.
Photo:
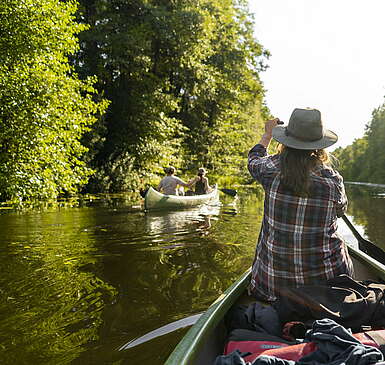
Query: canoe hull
(156,200)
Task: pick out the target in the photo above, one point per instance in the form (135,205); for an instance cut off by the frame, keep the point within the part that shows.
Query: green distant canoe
(205,340)
(156,200)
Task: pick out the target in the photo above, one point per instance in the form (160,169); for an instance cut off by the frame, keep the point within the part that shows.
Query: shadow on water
(79,283)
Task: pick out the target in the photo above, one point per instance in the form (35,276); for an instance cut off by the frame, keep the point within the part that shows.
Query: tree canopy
(183,80)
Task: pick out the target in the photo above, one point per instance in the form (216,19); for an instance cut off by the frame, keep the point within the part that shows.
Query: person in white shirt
(169,184)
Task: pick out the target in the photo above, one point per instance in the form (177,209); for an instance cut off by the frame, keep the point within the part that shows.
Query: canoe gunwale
(375,265)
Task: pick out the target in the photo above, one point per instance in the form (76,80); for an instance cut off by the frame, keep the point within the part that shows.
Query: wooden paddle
(366,246)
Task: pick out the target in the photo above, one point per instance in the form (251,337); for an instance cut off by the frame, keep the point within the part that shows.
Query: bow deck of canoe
(206,339)
(156,200)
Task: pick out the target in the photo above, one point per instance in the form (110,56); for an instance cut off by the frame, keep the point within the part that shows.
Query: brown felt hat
(305,131)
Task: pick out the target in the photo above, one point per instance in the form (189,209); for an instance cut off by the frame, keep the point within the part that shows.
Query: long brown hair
(296,166)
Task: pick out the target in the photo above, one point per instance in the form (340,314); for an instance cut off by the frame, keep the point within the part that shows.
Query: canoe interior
(205,340)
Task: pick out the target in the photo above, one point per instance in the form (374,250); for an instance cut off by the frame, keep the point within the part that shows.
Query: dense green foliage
(364,159)
(44,107)
(182,77)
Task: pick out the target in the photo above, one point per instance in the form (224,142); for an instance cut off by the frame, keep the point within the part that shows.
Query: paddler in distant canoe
(304,195)
(169,184)
(201,183)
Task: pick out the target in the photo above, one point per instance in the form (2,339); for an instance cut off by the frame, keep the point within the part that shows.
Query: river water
(81,281)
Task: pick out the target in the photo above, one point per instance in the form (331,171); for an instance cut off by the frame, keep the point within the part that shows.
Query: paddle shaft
(366,246)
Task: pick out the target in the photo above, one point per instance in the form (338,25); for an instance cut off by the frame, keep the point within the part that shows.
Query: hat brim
(328,139)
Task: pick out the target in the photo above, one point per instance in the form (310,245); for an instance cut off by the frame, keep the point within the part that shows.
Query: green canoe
(206,338)
(156,200)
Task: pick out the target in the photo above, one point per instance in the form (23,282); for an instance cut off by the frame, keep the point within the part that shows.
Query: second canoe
(156,200)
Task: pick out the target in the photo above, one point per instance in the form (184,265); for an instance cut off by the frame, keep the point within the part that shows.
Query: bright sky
(326,54)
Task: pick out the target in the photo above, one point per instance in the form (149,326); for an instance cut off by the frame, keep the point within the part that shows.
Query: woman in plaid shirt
(298,243)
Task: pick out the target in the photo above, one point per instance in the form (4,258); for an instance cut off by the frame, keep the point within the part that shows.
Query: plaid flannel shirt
(298,243)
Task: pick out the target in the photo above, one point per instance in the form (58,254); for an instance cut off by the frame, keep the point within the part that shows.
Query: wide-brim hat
(305,131)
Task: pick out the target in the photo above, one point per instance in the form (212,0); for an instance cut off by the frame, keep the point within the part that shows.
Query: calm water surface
(79,283)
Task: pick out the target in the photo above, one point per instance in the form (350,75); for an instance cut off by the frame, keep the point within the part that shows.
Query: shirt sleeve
(257,161)
(180,181)
(342,200)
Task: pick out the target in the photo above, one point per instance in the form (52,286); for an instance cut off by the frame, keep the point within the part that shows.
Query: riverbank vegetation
(183,80)
(180,78)
(364,159)
(44,107)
